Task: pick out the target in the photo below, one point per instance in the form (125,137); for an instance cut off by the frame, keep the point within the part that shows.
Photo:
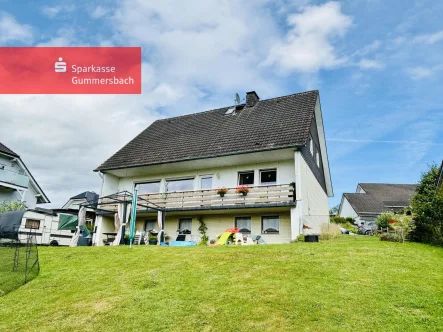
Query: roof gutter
(98,169)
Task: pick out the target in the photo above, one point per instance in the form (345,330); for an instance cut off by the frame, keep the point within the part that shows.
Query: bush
(392,237)
(337,220)
(329,231)
(349,226)
(12,206)
(383,220)
(350,220)
(427,209)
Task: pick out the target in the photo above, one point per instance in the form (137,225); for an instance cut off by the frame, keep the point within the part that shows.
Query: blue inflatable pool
(182,243)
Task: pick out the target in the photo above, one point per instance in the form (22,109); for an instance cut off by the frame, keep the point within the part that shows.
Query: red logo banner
(70,70)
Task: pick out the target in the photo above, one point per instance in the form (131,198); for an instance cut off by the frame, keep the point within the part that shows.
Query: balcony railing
(14,178)
(257,196)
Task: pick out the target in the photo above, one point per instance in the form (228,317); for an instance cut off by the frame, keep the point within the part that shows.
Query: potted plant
(152,239)
(242,190)
(222,191)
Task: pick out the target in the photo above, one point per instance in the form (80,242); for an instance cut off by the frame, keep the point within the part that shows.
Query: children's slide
(223,238)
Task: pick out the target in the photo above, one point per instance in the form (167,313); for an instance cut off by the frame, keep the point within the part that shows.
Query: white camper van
(45,226)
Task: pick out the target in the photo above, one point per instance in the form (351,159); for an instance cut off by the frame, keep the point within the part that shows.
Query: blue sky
(377,64)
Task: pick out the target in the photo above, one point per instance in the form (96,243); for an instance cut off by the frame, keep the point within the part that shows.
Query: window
(246,178)
(311,145)
(206,182)
(268,176)
(179,185)
(270,224)
(317,158)
(150,225)
(148,187)
(32,224)
(243,224)
(185,226)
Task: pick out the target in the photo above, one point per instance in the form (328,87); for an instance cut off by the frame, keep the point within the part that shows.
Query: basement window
(270,224)
(246,178)
(32,224)
(268,176)
(185,226)
(243,224)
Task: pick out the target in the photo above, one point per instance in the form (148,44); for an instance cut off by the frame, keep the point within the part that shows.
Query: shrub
(427,209)
(383,220)
(337,220)
(12,206)
(350,227)
(350,220)
(392,237)
(301,237)
(329,231)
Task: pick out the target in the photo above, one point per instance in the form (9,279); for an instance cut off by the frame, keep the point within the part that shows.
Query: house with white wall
(372,199)
(17,182)
(276,147)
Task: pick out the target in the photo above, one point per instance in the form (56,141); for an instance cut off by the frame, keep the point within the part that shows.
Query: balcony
(260,196)
(13,178)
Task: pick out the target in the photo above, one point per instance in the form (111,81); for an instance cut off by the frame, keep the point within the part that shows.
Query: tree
(427,209)
(335,209)
(12,206)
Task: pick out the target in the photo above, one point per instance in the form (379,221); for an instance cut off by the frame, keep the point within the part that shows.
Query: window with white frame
(148,187)
(185,226)
(268,176)
(150,225)
(246,178)
(243,224)
(270,224)
(311,145)
(206,182)
(180,184)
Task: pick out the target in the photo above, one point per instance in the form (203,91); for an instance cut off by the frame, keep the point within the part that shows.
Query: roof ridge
(220,108)
(390,184)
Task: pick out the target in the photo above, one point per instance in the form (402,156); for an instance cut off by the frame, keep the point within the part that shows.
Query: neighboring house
(88,199)
(372,199)
(17,182)
(276,147)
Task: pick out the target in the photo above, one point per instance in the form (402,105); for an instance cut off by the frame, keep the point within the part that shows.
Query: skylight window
(230,111)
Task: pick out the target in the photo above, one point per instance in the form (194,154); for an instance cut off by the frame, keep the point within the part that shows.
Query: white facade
(311,199)
(17,184)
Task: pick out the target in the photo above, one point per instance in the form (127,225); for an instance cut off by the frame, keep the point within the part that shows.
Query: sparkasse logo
(60,66)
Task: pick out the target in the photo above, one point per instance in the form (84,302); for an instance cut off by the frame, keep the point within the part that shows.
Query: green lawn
(346,284)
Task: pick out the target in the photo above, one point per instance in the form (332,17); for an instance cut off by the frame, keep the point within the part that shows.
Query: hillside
(347,284)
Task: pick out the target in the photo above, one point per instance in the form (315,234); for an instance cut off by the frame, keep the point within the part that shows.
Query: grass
(354,283)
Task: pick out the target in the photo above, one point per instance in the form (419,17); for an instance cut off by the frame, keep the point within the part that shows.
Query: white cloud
(99,12)
(11,30)
(429,38)
(54,11)
(418,73)
(308,46)
(370,64)
(64,37)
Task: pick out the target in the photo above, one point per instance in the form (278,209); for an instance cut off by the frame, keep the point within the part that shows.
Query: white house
(372,199)
(17,182)
(276,147)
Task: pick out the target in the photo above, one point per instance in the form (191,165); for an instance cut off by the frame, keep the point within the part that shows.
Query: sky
(377,64)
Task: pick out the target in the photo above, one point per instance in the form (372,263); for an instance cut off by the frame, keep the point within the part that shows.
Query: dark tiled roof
(90,196)
(6,150)
(273,123)
(380,197)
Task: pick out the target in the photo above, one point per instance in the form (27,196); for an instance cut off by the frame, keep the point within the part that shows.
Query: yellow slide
(223,238)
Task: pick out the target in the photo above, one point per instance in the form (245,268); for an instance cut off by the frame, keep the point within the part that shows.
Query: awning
(67,222)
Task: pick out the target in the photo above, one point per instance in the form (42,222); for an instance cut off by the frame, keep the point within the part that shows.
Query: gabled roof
(90,196)
(43,198)
(380,197)
(8,151)
(270,124)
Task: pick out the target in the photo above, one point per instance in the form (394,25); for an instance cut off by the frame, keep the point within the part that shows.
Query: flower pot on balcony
(244,193)
(222,194)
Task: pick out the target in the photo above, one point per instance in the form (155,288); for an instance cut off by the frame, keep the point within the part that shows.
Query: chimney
(251,98)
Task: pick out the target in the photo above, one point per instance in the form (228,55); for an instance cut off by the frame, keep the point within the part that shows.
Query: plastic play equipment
(225,236)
